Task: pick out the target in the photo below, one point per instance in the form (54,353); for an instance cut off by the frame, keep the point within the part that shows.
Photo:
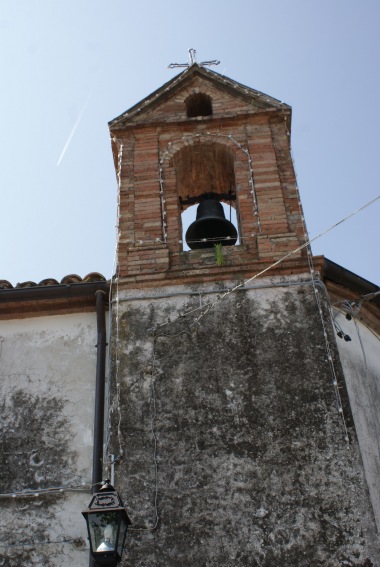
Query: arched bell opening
(205,177)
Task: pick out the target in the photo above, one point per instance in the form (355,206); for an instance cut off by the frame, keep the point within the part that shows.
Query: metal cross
(192,60)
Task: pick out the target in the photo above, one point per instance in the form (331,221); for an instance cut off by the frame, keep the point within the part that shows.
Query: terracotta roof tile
(69,279)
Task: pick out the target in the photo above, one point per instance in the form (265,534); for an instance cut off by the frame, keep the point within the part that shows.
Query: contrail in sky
(74,129)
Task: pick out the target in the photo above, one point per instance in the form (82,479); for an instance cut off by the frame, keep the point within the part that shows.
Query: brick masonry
(158,147)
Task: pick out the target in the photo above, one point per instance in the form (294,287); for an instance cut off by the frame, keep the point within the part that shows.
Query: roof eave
(337,274)
(37,301)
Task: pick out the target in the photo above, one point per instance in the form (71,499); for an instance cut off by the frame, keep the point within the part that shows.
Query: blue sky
(76,64)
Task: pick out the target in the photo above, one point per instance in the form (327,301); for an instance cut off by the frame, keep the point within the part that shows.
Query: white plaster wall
(49,358)
(361,365)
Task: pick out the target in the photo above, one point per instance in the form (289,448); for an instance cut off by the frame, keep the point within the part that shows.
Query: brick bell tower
(228,415)
(197,135)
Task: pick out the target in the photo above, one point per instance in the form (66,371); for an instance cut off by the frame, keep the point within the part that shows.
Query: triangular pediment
(168,102)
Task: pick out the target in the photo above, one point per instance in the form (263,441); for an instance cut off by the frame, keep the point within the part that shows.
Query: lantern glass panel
(122,534)
(103,527)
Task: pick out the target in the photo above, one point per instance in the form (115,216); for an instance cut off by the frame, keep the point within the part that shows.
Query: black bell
(211,227)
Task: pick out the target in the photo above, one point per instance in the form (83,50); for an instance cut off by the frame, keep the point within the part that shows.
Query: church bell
(210,227)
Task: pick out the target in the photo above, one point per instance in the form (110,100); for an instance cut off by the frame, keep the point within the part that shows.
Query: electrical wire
(29,492)
(205,308)
(40,543)
(328,349)
(115,282)
(212,304)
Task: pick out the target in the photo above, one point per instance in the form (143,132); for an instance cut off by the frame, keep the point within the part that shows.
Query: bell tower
(203,137)
(229,424)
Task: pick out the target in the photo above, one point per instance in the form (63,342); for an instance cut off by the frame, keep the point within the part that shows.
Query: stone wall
(231,440)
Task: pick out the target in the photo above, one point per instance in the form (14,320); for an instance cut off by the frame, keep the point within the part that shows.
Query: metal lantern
(107,524)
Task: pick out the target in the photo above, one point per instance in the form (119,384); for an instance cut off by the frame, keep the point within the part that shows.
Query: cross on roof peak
(192,60)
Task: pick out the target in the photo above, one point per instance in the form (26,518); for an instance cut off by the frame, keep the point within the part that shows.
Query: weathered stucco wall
(252,465)
(47,368)
(361,365)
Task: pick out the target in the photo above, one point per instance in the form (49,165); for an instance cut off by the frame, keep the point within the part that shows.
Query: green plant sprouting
(219,258)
